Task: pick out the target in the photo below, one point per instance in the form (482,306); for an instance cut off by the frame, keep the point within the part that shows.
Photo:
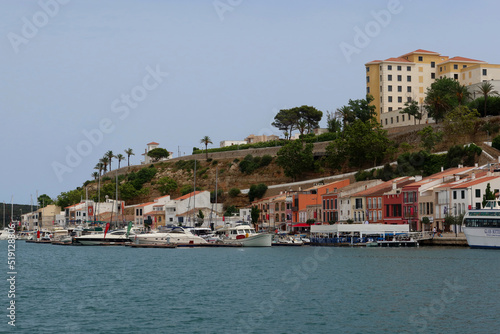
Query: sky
(81,77)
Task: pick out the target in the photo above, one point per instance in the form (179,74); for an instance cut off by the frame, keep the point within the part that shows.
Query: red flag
(38,234)
(223,218)
(106,230)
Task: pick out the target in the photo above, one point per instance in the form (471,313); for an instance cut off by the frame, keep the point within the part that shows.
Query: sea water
(96,289)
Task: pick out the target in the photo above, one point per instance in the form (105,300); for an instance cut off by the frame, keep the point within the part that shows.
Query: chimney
(419,177)
(477,165)
(394,185)
(473,176)
(442,169)
(457,178)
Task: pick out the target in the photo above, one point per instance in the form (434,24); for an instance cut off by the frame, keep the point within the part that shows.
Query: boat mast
(194,195)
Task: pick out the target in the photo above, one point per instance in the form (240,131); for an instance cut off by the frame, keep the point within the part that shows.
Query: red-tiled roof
(188,195)
(474,182)
(374,62)
(144,204)
(465,59)
(420,51)
(153,143)
(397,60)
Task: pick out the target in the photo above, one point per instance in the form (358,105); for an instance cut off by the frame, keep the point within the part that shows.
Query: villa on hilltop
(394,81)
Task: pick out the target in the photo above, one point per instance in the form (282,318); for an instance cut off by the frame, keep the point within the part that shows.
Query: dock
(446,239)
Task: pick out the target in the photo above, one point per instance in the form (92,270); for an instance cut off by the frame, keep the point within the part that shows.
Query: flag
(38,234)
(106,230)
(128,228)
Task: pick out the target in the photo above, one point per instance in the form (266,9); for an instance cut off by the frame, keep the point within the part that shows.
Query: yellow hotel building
(395,81)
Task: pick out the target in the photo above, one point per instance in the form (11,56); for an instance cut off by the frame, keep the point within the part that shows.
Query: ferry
(482,226)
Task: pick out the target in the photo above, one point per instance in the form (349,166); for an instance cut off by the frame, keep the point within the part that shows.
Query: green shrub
(496,142)
(257,191)
(265,160)
(233,192)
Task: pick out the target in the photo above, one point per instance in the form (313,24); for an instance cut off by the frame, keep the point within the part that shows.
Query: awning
(301,225)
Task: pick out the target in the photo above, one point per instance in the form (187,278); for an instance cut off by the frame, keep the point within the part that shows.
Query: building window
(390,109)
(433,75)
(367,69)
(399,68)
(440,68)
(367,90)
(359,203)
(397,119)
(400,99)
(462,194)
(464,66)
(400,78)
(478,193)
(402,118)
(420,58)
(386,121)
(389,67)
(367,79)
(484,71)
(455,67)
(433,64)
(400,89)
(408,89)
(389,77)
(455,76)
(390,98)
(389,88)
(408,78)
(392,121)
(454,194)
(408,68)
(408,99)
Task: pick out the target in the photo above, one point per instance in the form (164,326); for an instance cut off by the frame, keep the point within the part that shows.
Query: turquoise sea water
(62,289)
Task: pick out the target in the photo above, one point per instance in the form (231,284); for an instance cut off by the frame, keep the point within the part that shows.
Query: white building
(152,146)
(226,143)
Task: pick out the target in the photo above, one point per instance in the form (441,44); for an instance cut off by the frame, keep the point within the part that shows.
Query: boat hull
(482,237)
(169,238)
(258,240)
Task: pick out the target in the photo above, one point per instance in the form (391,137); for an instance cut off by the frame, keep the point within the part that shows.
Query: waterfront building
(88,210)
(395,81)
(420,194)
(344,201)
(392,201)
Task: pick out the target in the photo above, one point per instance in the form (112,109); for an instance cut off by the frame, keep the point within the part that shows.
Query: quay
(446,239)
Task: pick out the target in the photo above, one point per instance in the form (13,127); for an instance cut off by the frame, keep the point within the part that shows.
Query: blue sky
(219,68)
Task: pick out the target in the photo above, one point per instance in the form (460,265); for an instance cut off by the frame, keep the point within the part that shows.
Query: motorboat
(245,235)
(482,226)
(4,234)
(119,237)
(177,235)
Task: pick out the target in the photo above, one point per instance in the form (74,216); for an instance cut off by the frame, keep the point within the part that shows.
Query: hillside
(225,165)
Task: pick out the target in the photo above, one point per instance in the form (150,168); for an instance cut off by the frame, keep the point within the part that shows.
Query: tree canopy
(158,153)
(296,158)
(299,118)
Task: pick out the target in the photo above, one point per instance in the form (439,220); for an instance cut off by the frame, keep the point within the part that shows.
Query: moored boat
(112,237)
(482,226)
(177,236)
(246,236)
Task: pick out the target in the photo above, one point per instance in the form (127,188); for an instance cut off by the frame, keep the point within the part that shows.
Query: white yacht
(4,234)
(112,237)
(245,235)
(482,226)
(177,236)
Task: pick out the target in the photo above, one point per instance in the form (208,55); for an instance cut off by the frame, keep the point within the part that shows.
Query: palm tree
(110,156)
(129,152)
(104,161)
(206,140)
(462,94)
(99,167)
(486,89)
(95,175)
(120,158)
